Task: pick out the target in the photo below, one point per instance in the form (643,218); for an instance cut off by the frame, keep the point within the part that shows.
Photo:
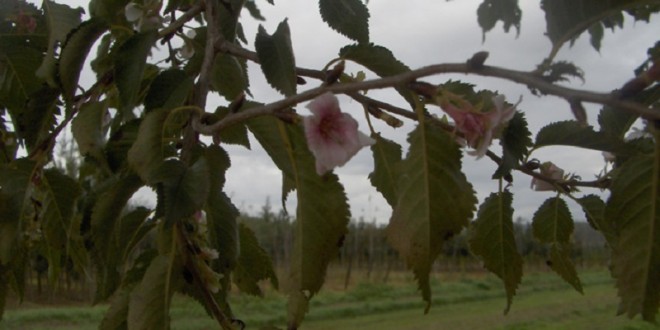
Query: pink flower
(332,136)
(551,171)
(479,128)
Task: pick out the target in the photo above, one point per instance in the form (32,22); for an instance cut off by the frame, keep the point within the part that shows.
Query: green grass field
(475,302)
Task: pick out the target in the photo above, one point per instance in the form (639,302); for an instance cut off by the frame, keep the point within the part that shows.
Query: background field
(461,301)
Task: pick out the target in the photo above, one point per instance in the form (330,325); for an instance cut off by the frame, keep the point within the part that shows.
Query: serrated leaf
(387,154)
(568,19)
(594,211)
(17,76)
(561,263)
(633,208)
(348,17)
(169,90)
(234,134)
(553,224)
(87,128)
(435,201)
(276,58)
(15,204)
(149,302)
(596,33)
(378,59)
(221,217)
(251,6)
(322,212)
(148,151)
(38,117)
(229,76)
(184,189)
(571,133)
(129,230)
(254,264)
(105,214)
(61,19)
(130,64)
(493,239)
(516,140)
(74,54)
(617,122)
(492,11)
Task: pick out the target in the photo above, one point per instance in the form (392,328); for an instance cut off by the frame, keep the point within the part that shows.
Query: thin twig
(185,18)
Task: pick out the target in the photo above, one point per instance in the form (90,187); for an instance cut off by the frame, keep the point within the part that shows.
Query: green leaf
(116,148)
(87,129)
(149,302)
(61,19)
(561,263)
(17,75)
(378,59)
(74,54)
(568,19)
(322,212)
(633,208)
(435,201)
(229,76)
(221,215)
(130,64)
(387,154)
(169,90)
(494,240)
(115,316)
(234,134)
(38,118)
(148,151)
(615,122)
(60,194)
(183,189)
(553,224)
(571,133)
(348,17)
(515,142)
(4,290)
(254,10)
(492,11)
(254,264)
(594,211)
(105,214)
(276,57)
(15,205)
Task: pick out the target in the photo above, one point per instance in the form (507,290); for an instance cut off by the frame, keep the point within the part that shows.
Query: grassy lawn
(475,302)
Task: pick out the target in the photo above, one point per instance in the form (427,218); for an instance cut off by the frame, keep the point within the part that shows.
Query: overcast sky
(428,32)
(423,32)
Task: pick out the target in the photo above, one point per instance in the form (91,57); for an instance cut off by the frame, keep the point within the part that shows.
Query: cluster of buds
(202,254)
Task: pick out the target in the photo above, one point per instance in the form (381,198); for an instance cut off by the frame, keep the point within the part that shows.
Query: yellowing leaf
(493,239)
(634,209)
(435,201)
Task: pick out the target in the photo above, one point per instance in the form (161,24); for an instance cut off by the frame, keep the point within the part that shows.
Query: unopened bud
(331,76)
(476,62)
